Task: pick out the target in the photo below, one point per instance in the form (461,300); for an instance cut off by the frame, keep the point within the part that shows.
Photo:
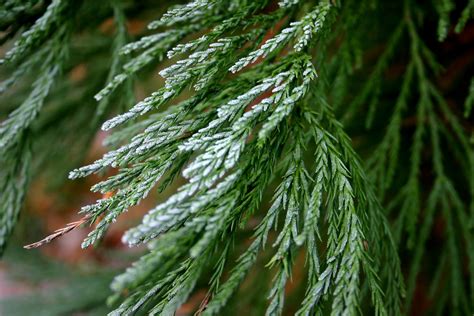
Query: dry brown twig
(58,233)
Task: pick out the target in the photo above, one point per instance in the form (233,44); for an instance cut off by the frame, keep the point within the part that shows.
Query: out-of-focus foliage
(57,289)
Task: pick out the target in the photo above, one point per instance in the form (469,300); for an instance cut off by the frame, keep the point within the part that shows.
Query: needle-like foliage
(257,115)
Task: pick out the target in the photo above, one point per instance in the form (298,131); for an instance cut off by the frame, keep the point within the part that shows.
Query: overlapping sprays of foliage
(254,101)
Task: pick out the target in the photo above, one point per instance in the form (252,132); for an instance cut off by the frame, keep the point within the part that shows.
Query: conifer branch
(253,101)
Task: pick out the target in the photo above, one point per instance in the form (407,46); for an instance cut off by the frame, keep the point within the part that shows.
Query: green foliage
(13,181)
(245,110)
(63,283)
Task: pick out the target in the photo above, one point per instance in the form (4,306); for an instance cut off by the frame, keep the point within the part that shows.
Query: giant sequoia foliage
(306,136)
